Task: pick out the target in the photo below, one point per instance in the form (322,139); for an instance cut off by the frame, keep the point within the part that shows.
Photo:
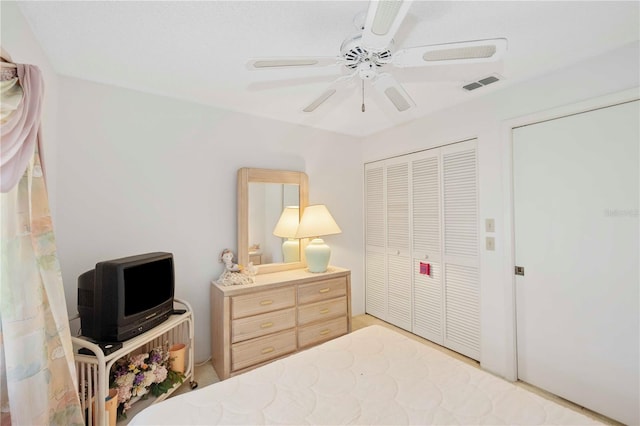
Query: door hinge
(520,270)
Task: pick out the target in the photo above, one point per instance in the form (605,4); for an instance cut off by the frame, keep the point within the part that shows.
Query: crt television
(122,298)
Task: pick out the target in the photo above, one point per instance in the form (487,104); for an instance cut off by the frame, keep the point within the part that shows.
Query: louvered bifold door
(375,276)
(398,245)
(427,263)
(461,248)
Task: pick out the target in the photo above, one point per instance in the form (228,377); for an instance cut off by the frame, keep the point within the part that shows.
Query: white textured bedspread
(372,376)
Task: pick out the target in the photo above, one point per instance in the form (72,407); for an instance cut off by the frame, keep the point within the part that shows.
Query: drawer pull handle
(266,325)
(325,290)
(266,302)
(267,350)
(324,311)
(325,331)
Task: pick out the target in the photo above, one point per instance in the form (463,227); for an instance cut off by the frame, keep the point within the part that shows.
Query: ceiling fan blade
(383,20)
(295,62)
(466,52)
(389,87)
(328,92)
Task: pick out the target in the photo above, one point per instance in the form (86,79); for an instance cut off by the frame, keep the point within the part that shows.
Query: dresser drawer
(322,310)
(316,333)
(259,325)
(252,352)
(263,301)
(327,289)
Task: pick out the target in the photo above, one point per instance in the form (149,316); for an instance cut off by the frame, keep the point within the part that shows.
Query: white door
(428,302)
(576,235)
(461,251)
(398,244)
(375,219)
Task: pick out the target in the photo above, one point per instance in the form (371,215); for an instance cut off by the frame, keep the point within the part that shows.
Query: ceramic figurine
(233,273)
(227,258)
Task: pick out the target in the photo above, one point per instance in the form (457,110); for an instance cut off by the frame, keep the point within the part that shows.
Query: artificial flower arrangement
(135,376)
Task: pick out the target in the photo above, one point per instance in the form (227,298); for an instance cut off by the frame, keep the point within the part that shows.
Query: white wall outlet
(490,225)
(490,243)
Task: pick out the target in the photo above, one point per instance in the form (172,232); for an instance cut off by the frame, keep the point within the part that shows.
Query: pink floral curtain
(37,371)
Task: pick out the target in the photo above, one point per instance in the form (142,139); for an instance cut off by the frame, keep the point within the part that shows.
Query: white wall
(334,181)
(19,41)
(485,118)
(141,173)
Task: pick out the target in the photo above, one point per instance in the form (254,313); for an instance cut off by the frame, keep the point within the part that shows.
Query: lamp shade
(287,225)
(317,221)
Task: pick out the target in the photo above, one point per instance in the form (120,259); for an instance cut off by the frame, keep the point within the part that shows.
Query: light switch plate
(490,243)
(490,225)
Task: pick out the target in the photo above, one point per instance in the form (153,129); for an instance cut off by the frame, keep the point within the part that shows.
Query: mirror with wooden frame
(266,200)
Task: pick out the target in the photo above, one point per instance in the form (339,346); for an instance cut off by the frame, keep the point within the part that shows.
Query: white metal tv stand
(93,370)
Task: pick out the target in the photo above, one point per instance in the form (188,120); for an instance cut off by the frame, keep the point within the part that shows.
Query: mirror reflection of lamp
(287,227)
(316,221)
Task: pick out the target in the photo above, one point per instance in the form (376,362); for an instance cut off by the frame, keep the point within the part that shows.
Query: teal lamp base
(318,254)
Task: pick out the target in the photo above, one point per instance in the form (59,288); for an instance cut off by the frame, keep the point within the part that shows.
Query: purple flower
(139,378)
(155,357)
(120,370)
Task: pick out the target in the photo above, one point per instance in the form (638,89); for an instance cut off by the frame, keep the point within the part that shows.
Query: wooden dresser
(281,313)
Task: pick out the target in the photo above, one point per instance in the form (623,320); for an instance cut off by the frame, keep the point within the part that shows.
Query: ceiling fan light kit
(365,54)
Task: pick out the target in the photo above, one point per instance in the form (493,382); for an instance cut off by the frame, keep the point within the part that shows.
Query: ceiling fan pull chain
(362,95)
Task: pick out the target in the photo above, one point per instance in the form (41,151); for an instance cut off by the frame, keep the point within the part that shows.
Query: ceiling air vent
(472,86)
(481,83)
(488,80)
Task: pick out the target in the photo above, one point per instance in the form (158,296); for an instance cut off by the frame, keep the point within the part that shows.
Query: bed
(372,376)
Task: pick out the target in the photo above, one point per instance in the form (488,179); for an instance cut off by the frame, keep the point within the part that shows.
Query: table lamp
(316,221)
(286,228)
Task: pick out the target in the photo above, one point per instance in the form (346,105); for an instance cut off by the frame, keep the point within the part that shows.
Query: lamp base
(291,250)
(318,254)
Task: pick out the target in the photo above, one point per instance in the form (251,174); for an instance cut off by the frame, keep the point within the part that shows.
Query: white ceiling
(197,50)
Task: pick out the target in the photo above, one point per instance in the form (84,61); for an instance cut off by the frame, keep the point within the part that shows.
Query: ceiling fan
(367,54)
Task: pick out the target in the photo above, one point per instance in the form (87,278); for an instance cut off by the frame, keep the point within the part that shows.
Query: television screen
(147,285)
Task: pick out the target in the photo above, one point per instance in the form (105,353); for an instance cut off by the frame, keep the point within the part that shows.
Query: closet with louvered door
(375,275)
(422,212)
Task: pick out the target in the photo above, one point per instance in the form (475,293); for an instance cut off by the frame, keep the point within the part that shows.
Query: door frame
(508,199)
